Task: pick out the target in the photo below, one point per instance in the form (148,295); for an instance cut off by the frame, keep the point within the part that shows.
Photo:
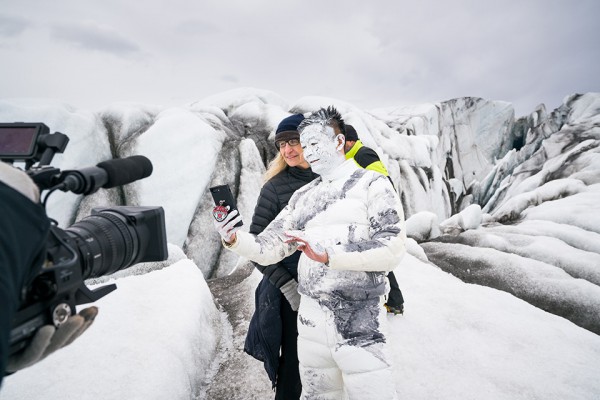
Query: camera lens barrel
(107,242)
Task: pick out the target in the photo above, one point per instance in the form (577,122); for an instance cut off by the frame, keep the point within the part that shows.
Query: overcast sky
(369,53)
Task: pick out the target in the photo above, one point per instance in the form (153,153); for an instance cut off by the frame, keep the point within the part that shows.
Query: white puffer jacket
(356,216)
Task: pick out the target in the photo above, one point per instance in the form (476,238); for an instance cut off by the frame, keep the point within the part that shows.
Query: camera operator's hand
(48,339)
(227,228)
(19,181)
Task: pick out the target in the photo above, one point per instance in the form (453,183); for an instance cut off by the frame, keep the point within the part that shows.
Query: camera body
(108,240)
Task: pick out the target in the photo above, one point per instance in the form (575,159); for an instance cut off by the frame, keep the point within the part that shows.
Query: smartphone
(224,201)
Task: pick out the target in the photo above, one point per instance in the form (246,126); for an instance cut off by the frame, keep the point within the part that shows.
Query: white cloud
(368,54)
(92,36)
(12,25)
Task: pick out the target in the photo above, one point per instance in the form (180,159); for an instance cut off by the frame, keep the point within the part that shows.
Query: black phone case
(222,196)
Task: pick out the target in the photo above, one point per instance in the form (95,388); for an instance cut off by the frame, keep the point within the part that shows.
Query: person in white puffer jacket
(349,224)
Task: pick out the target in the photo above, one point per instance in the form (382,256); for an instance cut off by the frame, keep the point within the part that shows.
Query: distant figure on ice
(349,224)
(273,332)
(368,158)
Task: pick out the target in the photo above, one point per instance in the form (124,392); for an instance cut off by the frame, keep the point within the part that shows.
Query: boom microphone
(106,174)
(126,170)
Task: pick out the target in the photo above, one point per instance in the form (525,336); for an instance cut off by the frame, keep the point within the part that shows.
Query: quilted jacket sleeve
(385,247)
(269,247)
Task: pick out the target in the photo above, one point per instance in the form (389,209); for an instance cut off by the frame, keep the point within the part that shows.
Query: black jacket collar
(305,174)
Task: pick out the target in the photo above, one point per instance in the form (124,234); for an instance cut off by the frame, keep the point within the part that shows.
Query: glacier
(495,204)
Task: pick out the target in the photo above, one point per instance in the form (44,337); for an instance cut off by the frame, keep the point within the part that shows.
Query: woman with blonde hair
(272,334)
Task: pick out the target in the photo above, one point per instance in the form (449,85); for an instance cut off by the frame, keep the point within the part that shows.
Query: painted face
(293,155)
(321,148)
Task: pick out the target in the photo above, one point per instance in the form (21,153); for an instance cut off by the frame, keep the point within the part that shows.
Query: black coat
(264,333)
(23,236)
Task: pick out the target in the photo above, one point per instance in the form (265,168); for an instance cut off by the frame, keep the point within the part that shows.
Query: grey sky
(371,54)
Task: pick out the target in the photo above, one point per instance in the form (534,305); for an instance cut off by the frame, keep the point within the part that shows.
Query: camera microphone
(106,174)
(126,170)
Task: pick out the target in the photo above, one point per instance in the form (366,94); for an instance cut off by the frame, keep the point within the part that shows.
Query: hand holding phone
(224,203)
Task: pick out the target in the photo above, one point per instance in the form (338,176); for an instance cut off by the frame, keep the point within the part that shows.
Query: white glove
(290,291)
(19,181)
(226,227)
(48,339)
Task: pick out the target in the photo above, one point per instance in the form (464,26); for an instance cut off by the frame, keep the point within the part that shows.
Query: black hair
(325,117)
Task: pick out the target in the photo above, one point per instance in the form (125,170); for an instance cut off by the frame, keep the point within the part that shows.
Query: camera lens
(107,242)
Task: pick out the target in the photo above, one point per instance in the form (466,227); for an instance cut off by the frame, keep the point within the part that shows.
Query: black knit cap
(351,134)
(288,128)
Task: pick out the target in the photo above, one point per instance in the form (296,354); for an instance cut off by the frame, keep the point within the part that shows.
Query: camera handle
(50,145)
(85,295)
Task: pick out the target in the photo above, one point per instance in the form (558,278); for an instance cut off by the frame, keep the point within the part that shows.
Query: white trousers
(344,355)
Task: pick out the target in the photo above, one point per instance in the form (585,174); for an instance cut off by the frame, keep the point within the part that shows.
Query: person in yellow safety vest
(367,158)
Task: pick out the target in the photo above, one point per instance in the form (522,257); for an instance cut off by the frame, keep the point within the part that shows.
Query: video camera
(108,240)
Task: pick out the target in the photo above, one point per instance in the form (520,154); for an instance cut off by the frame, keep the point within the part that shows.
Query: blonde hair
(275,166)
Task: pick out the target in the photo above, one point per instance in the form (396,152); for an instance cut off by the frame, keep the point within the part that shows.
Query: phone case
(224,202)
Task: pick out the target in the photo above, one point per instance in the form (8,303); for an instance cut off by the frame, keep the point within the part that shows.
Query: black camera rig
(108,240)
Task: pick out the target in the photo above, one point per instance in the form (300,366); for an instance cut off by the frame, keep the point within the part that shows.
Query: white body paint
(322,148)
(355,215)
